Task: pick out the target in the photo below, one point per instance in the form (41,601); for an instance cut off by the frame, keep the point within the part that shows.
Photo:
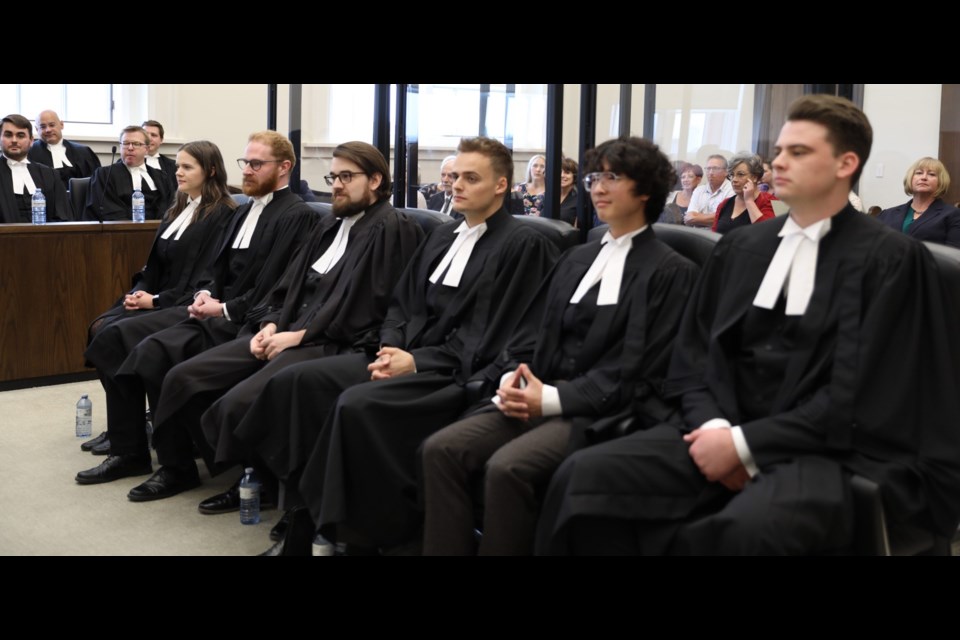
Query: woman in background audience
(749,205)
(679,201)
(926,216)
(568,190)
(766,180)
(532,190)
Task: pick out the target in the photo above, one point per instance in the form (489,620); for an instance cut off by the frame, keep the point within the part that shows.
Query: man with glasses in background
(111,187)
(703,203)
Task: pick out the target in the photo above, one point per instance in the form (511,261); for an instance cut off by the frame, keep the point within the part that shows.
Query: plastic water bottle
(249,497)
(84,417)
(39,207)
(138,206)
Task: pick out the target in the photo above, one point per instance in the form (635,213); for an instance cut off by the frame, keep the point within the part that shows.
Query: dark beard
(349,209)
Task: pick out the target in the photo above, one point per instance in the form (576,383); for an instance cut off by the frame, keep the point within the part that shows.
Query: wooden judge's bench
(54,280)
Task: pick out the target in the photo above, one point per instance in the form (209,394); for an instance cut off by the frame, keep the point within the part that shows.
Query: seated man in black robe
(815,348)
(111,188)
(163,164)
(331,299)
(68,159)
(255,249)
(452,312)
(20,178)
(599,336)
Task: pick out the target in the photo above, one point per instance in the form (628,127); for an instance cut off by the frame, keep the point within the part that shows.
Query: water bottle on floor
(84,417)
(138,206)
(38,207)
(249,497)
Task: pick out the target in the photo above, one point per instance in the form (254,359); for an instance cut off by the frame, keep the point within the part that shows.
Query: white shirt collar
(793,268)
(458,255)
(607,268)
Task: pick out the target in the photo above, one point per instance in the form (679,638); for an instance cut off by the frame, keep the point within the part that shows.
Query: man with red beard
(254,251)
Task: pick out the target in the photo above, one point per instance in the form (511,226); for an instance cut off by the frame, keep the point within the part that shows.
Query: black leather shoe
(114,468)
(167,482)
(275,550)
(102,448)
(229,501)
(90,444)
(280,529)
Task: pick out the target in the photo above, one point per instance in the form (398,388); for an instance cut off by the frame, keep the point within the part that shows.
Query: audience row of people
(382,377)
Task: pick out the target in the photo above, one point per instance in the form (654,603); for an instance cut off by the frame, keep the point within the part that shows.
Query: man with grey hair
(703,203)
(442,200)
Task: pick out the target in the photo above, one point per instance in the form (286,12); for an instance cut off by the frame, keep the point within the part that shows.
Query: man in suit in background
(20,178)
(68,159)
(112,187)
(442,201)
(164,164)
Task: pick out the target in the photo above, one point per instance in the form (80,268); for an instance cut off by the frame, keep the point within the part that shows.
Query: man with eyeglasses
(451,314)
(816,348)
(442,201)
(111,188)
(705,198)
(593,346)
(256,247)
(68,159)
(20,178)
(330,300)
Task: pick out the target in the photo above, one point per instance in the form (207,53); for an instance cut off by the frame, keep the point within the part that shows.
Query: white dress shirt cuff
(550,401)
(716,423)
(226,314)
(206,291)
(743,451)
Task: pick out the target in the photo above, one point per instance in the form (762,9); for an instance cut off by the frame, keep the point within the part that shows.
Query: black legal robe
(453,338)
(82,157)
(869,386)
(168,167)
(45,178)
(112,187)
(340,311)
(375,420)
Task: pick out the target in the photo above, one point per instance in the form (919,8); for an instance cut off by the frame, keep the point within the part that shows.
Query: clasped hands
(716,456)
(267,344)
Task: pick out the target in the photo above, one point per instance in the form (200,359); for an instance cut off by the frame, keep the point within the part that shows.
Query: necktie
(445,209)
(458,254)
(793,267)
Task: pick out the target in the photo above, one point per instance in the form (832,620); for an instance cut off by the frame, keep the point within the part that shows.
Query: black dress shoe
(229,501)
(167,482)
(280,529)
(275,550)
(90,444)
(101,448)
(114,468)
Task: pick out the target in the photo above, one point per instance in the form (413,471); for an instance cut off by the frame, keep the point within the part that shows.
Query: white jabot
(338,247)
(58,153)
(21,176)
(154,161)
(793,268)
(458,254)
(139,176)
(182,221)
(607,269)
(242,240)
(445,209)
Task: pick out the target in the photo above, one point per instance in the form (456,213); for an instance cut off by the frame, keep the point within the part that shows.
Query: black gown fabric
(370,467)
(450,332)
(45,179)
(340,312)
(111,189)
(83,159)
(868,387)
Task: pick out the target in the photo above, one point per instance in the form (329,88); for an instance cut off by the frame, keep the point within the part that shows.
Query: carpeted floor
(44,512)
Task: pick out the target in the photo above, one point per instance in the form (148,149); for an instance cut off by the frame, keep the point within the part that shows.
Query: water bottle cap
(248,470)
(83,397)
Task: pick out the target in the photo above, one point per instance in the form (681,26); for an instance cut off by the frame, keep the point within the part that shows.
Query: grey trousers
(518,459)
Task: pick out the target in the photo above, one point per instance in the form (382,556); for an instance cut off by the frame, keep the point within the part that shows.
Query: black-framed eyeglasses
(345,177)
(593,179)
(133,145)
(256,165)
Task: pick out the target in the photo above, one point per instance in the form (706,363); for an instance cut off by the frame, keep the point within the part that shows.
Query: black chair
(560,233)
(240,199)
(871,534)
(322,208)
(694,244)
(428,220)
(78,188)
